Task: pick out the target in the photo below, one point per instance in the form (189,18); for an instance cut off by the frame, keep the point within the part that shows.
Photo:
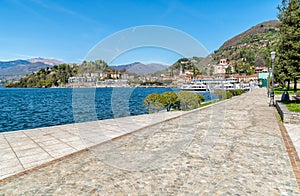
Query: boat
(225,86)
(194,87)
(230,86)
(211,85)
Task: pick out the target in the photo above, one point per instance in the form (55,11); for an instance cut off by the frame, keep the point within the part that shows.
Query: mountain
(257,33)
(252,47)
(140,68)
(6,64)
(45,61)
(203,63)
(23,67)
(244,51)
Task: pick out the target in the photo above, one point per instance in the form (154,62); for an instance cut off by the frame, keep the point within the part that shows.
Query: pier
(237,146)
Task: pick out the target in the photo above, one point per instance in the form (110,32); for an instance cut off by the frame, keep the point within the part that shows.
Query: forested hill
(58,75)
(244,51)
(55,76)
(251,47)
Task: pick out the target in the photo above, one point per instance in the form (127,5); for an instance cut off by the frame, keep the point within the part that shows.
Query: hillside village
(174,78)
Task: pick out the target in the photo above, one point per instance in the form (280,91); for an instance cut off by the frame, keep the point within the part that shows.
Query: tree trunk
(168,107)
(289,82)
(295,85)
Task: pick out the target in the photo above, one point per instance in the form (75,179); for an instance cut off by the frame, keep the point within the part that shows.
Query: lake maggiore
(27,108)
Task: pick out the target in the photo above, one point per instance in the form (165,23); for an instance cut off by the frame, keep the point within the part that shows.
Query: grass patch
(293,106)
(208,103)
(279,90)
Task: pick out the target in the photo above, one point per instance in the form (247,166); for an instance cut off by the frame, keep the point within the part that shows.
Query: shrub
(188,100)
(236,92)
(200,98)
(170,99)
(182,100)
(154,102)
(223,94)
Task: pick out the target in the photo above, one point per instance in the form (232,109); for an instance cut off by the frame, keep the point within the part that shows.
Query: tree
(223,94)
(170,99)
(154,102)
(57,75)
(186,64)
(200,98)
(228,70)
(182,100)
(289,45)
(188,100)
(259,62)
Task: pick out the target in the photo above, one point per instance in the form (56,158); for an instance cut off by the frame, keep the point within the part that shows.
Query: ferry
(225,86)
(215,84)
(195,87)
(232,86)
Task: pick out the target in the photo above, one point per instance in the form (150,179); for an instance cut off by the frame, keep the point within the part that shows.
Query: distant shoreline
(90,87)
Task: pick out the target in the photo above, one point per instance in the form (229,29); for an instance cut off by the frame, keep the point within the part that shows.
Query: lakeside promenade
(233,147)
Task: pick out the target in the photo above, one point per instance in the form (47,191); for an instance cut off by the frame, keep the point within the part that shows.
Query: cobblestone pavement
(23,150)
(231,148)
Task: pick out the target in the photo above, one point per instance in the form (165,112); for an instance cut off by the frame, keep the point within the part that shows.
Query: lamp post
(268,82)
(273,54)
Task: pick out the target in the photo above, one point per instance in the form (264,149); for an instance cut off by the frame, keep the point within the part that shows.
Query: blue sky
(67,30)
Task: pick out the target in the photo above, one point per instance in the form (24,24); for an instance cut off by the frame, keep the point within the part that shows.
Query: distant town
(221,70)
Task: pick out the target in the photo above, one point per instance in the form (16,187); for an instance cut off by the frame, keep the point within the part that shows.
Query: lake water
(32,108)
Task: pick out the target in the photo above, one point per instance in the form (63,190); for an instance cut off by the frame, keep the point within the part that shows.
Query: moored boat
(194,87)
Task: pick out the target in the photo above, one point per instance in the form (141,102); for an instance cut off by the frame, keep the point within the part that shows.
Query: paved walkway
(23,150)
(235,147)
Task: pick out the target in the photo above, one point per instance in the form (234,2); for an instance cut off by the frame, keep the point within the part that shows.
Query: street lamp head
(273,54)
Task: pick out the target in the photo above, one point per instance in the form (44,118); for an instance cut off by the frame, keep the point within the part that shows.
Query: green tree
(154,102)
(228,70)
(200,98)
(223,94)
(170,99)
(57,75)
(289,45)
(186,64)
(188,100)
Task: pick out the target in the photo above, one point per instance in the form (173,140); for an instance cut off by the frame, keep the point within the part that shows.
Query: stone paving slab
(233,148)
(23,150)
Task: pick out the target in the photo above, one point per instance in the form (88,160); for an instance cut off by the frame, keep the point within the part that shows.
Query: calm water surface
(31,108)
